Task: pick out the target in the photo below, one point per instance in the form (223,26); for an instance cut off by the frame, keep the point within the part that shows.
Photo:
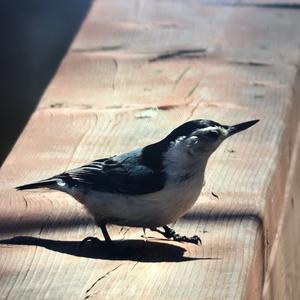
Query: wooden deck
(135,71)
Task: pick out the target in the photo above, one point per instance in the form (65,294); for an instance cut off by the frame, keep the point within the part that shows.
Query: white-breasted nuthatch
(148,187)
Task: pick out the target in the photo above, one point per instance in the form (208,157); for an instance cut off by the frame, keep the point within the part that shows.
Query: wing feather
(124,174)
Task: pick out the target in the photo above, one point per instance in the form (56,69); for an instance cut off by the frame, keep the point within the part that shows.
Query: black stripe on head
(188,128)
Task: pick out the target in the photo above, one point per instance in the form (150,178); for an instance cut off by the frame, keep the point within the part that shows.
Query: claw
(196,239)
(182,238)
(170,233)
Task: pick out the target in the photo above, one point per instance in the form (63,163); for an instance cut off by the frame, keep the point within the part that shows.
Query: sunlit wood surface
(136,70)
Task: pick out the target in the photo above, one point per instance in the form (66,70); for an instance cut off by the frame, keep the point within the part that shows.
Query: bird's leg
(170,233)
(95,240)
(105,234)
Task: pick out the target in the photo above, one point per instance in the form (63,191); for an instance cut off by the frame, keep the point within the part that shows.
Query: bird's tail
(47,183)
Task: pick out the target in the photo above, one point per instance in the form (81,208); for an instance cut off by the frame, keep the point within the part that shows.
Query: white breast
(148,210)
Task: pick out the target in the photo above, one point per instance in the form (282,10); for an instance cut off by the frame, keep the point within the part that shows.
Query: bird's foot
(170,233)
(182,238)
(95,241)
(89,239)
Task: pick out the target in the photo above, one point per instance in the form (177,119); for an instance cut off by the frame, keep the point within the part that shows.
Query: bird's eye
(212,135)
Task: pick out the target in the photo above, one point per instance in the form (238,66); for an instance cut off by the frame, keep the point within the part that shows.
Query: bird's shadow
(134,250)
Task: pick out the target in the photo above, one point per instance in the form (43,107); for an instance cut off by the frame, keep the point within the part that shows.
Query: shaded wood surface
(134,72)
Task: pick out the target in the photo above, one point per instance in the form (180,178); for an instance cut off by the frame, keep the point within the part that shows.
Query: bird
(149,187)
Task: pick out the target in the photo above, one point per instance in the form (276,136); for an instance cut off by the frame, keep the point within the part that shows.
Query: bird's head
(191,142)
(202,137)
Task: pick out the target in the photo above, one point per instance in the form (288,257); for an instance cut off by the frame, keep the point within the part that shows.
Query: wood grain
(284,257)
(134,72)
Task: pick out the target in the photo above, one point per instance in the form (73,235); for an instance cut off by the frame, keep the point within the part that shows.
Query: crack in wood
(100,49)
(124,231)
(134,265)
(185,53)
(116,71)
(26,203)
(193,110)
(168,106)
(272,5)
(142,252)
(99,279)
(249,63)
(192,90)
(44,225)
(278,5)
(178,79)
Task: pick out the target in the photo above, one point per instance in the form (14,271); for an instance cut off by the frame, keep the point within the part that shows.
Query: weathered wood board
(282,275)
(134,72)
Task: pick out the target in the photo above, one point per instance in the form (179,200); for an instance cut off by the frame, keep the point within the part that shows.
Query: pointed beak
(240,127)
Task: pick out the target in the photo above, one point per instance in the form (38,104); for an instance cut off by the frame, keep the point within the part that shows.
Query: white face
(202,141)
(187,154)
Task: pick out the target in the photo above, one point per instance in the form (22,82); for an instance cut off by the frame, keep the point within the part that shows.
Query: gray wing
(124,174)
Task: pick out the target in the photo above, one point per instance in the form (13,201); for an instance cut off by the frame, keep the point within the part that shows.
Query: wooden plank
(282,275)
(164,84)
(151,28)
(135,72)
(213,258)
